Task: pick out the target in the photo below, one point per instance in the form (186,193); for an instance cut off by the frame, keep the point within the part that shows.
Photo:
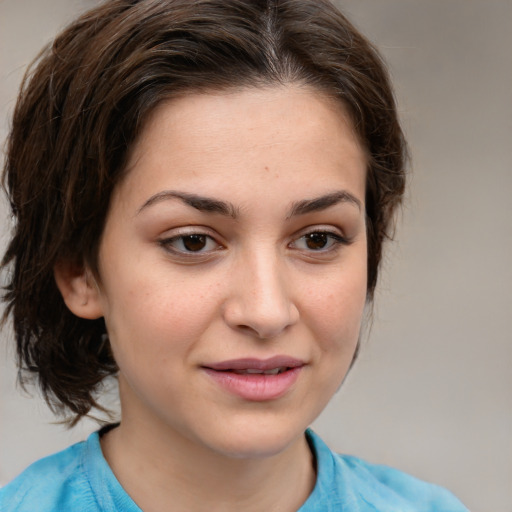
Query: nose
(260,302)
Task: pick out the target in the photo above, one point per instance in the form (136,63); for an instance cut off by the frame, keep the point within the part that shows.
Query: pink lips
(256,379)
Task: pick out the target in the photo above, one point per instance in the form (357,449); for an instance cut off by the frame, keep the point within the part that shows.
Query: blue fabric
(79,479)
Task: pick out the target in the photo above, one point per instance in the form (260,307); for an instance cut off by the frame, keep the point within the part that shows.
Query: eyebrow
(203,204)
(210,205)
(323,202)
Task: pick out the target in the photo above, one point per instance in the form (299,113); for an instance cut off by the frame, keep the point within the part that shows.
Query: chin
(259,439)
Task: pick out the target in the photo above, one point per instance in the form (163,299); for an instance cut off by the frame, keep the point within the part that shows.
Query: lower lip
(256,387)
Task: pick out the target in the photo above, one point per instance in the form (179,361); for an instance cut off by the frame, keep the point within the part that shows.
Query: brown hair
(83,103)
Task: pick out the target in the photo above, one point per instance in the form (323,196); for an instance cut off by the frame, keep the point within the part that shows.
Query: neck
(180,472)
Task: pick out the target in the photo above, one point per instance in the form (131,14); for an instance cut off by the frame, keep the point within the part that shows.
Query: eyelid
(337,238)
(166,240)
(188,230)
(323,228)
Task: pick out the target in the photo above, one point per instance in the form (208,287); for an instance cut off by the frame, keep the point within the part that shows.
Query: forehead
(289,131)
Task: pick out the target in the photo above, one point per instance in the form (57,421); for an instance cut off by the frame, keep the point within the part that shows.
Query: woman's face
(233,267)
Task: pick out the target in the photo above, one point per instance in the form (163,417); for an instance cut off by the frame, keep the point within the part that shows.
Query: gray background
(432,391)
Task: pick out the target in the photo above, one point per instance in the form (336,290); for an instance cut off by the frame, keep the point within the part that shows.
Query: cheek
(156,317)
(335,313)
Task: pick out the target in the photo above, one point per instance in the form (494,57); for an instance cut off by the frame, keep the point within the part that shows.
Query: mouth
(271,366)
(254,371)
(255,379)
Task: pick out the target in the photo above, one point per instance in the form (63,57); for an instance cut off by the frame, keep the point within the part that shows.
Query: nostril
(252,331)
(245,328)
(265,329)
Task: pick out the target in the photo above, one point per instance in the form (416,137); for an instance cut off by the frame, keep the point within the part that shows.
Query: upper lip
(256,364)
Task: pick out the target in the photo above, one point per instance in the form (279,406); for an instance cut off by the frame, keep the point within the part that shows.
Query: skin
(257,287)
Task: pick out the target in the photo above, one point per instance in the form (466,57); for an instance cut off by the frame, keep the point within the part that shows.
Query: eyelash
(167,244)
(333,239)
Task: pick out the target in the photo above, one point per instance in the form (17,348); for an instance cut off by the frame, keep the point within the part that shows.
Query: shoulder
(55,483)
(383,482)
(350,483)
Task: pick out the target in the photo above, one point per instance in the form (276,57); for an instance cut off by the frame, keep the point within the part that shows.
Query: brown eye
(319,241)
(316,241)
(194,243)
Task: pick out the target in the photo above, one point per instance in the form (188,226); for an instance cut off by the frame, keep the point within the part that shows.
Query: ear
(79,290)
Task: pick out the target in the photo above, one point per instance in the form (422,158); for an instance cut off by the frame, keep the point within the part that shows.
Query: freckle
(266,168)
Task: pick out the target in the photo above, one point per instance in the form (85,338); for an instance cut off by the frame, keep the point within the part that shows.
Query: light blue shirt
(79,479)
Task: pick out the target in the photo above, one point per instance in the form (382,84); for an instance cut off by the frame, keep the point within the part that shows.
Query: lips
(258,365)
(256,379)
(254,371)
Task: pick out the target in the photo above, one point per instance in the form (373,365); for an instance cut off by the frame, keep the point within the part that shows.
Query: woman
(201,193)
